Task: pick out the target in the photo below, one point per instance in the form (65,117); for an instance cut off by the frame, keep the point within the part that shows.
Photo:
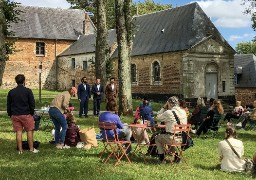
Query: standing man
(97,91)
(111,90)
(58,106)
(20,107)
(84,94)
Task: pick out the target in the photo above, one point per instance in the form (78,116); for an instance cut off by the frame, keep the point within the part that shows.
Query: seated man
(167,116)
(146,112)
(109,116)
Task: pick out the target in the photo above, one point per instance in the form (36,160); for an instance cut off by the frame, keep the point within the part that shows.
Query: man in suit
(84,94)
(97,91)
(111,90)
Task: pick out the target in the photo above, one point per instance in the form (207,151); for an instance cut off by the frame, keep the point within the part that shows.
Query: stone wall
(25,61)
(67,74)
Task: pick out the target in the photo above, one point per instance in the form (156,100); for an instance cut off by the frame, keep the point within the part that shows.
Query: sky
(227,15)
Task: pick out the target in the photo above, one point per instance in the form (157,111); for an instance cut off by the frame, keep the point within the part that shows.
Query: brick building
(245,82)
(40,36)
(180,52)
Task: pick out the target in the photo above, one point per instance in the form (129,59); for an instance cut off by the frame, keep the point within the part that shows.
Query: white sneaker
(193,131)
(35,151)
(239,124)
(66,147)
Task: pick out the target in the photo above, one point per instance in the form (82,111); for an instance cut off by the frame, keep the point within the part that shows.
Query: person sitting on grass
(72,134)
(231,160)
(216,108)
(139,134)
(236,113)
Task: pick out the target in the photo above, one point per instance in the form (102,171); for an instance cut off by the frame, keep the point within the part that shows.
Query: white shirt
(112,87)
(169,119)
(84,86)
(230,162)
(98,87)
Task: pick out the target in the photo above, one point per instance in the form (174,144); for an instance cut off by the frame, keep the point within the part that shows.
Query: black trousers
(96,106)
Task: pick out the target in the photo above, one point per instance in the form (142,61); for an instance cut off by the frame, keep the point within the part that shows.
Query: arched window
(156,71)
(133,73)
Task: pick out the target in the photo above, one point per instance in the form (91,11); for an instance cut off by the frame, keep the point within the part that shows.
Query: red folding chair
(174,148)
(113,147)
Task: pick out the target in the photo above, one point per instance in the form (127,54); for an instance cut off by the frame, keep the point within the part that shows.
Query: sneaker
(59,146)
(20,152)
(229,124)
(35,151)
(193,131)
(66,147)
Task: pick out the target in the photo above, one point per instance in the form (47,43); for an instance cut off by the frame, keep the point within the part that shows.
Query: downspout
(56,66)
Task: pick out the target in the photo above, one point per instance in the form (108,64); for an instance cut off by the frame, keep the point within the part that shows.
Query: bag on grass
(186,140)
(25,145)
(88,136)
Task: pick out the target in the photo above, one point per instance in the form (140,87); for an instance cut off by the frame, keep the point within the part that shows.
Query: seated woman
(139,134)
(195,118)
(231,161)
(251,116)
(216,108)
(72,134)
(236,113)
(183,105)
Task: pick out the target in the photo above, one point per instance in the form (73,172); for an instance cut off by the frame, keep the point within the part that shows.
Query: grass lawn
(73,163)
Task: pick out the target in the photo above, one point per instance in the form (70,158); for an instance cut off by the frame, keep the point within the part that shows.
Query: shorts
(23,121)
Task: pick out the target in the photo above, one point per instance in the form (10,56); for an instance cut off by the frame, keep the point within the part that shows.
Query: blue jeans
(59,121)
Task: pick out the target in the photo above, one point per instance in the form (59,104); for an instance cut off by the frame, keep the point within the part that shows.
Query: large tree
(8,14)
(250,8)
(102,52)
(246,48)
(123,28)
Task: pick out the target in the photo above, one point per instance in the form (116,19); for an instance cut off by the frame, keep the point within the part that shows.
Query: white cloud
(239,37)
(45,3)
(228,13)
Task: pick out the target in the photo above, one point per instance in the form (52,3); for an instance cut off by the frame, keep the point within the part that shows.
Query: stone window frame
(40,48)
(153,81)
(136,74)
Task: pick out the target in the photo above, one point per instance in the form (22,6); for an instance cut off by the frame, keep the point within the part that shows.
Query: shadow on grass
(208,168)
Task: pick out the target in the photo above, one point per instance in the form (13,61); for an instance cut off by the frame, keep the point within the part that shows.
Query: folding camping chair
(113,147)
(213,129)
(174,148)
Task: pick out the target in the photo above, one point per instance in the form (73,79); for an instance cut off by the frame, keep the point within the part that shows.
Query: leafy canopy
(146,7)
(246,48)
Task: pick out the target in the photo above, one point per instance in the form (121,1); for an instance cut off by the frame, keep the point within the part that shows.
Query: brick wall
(24,61)
(246,95)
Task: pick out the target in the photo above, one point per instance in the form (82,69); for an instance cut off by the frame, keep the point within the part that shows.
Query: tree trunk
(124,64)
(2,42)
(102,52)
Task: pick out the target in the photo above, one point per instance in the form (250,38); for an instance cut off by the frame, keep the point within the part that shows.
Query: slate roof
(174,29)
(50,23)
(248,64)
(87,44)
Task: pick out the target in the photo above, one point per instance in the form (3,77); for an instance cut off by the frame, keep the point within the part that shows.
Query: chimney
(86,24)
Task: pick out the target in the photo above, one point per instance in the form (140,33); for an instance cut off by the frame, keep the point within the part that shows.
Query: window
(73,63)
(73,83)
(133,73)
(156,71)
(40,48)
(223,86)
(85,65)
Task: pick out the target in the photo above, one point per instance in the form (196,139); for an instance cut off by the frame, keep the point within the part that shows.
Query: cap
(174,100)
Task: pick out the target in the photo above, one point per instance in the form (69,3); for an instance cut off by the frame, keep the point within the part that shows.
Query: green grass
(78,164)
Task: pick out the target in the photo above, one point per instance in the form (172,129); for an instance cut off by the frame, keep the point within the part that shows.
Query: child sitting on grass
(72,134)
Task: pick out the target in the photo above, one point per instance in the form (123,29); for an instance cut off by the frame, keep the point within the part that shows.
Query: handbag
(186,139)
(248,165)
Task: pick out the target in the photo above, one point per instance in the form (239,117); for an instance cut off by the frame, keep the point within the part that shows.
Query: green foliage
(146,7)
(250,8)
(11,14)
(246,48)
